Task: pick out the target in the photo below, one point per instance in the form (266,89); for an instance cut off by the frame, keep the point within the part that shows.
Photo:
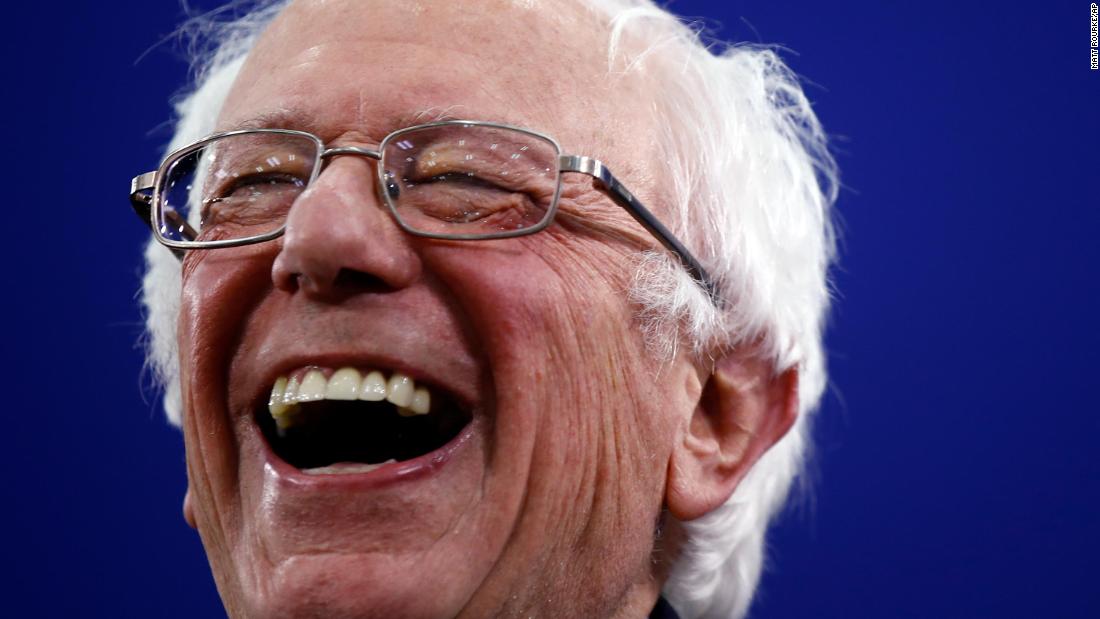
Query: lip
(289,477)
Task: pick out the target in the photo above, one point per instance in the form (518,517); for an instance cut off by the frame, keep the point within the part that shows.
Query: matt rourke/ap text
(1094,62)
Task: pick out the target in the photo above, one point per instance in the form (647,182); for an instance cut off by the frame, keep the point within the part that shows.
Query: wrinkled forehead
(369,66)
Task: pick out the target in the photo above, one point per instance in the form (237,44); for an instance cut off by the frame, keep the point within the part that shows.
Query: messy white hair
(752,186)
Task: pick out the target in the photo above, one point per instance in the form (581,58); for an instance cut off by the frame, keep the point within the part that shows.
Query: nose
(339,240)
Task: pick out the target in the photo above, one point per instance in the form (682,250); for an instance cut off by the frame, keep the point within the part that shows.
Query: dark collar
(663,610)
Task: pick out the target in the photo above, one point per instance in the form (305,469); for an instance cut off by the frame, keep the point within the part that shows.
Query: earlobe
(744,409)
(188,510)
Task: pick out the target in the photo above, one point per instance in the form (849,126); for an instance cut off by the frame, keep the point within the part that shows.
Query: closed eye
(252,198)
(257,182)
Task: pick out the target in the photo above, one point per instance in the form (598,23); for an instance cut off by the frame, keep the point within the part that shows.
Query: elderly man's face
(548,497)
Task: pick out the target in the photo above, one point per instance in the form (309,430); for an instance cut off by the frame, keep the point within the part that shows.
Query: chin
(341,586)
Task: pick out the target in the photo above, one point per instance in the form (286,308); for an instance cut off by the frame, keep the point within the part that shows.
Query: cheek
(565,354)
(219,288)
(554,315)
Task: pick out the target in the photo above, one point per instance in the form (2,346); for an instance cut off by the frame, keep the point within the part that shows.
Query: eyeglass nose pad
(393,189)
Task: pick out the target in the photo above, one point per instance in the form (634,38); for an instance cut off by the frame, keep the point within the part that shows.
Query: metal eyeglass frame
(146,194)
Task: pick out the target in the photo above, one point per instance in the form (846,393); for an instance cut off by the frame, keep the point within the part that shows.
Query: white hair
(752,186)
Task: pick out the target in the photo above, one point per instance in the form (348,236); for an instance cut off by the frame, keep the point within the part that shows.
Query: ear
(188,510)
(743,410)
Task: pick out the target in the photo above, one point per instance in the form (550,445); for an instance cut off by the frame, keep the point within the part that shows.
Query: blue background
(955,474)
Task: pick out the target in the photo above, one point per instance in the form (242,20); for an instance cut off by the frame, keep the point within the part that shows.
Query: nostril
(346,283)
(284,276)
(351,280)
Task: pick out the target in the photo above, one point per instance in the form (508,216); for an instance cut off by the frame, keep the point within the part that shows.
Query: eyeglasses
(459,180)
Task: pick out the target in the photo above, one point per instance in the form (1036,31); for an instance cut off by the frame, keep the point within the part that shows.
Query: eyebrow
(294,118)
(287,118)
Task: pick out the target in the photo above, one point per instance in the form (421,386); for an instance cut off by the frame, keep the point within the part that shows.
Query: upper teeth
(345,384)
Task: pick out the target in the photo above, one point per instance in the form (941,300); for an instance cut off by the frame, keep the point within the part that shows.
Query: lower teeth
(346,468)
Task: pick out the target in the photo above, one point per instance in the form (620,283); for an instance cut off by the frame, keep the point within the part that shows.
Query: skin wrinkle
(202,506)
(563,519)
(583,215)
(361,117)
(551,353)
(591,217)
(608,459)
(608,456)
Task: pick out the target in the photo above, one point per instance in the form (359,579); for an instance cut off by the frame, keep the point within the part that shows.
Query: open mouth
(352,421)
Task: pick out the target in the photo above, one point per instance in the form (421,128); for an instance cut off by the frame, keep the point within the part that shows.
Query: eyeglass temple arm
(141,200)
(596,169)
